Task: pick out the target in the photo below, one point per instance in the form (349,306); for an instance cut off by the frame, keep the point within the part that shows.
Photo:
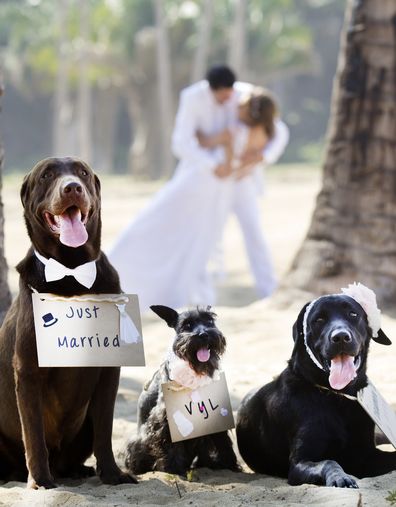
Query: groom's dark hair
(220,76)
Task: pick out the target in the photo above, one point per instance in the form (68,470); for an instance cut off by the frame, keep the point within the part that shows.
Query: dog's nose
(71,187)
(341,337)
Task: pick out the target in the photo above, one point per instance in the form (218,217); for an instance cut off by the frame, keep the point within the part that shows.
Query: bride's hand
(223,171)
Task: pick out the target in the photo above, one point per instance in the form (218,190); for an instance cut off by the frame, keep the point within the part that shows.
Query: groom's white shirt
(198,110)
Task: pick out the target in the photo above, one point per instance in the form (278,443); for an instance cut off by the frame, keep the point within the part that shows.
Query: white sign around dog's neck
(90,330)
(379,411)
(195,413)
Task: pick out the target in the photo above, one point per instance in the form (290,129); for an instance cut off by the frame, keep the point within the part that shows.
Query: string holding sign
(128,331)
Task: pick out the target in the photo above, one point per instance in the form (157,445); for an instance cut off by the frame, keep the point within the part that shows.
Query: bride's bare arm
(221,139)
(224,139)
(253,152)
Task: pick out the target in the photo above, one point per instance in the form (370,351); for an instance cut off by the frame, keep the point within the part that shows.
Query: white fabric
(181,372)
(163,253)
(85,274)
(128,330)
(368,301)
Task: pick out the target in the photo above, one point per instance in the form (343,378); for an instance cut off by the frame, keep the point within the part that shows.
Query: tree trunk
(237,53)
(5,295)
(138,151)
(352,236)
(105,122)
(62,108)
(164,88)
(84,88)
(203,42)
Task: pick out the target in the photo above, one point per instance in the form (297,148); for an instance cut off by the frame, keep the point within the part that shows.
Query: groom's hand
(223,171)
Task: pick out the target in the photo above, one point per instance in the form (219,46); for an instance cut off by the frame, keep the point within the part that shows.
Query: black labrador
(53,419)
(301,426)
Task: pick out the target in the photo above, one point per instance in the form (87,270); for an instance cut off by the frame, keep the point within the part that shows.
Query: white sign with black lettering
(379,411)
(199,412)
(89,330)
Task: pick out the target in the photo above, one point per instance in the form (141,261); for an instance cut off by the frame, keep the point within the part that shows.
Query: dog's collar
(349,396)
(305,328)
(85,274)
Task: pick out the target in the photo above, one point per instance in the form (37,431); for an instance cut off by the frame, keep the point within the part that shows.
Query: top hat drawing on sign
(49,320)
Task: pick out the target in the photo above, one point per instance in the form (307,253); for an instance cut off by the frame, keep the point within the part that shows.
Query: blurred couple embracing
(225,131)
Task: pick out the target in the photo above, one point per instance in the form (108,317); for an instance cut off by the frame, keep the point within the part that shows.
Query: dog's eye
(353,314)
(320,320)
(187,326)
(46,175)
(84,173)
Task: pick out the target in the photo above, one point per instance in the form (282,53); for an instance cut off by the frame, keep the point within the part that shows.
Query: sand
(259,344)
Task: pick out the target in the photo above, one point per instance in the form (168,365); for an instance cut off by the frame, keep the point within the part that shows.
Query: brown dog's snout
(73,187)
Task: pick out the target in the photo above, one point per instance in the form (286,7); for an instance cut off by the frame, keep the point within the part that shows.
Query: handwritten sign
(194,413)
(379,411)
(90,330)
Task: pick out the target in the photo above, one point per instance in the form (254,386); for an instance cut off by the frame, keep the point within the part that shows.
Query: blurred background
(100,79)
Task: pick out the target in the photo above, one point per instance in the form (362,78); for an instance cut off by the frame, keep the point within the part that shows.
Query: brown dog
(56,417)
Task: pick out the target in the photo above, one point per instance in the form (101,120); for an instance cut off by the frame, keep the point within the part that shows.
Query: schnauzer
(192,362)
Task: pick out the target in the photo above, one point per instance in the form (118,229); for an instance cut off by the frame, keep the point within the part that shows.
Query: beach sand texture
(259,344)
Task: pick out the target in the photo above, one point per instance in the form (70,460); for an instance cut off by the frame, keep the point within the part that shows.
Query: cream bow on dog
(85,274)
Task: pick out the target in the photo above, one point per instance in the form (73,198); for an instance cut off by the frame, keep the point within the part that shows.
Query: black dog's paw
(341,480)
(82,472)
(118,478)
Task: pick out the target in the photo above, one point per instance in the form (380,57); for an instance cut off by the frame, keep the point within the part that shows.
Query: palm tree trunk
(164,88)
(353,231)
(84,88)
(5,295)
(62,107)
(202,49)
(237,52)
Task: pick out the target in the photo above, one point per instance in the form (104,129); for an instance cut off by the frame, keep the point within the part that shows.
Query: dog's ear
(169,315)
(97,184)
(25,189)
(298,325)
(382,338)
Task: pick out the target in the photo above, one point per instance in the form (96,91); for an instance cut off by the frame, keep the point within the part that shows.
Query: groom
(210,106)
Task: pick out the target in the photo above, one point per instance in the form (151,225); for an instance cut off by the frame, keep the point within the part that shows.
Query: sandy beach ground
(259,344)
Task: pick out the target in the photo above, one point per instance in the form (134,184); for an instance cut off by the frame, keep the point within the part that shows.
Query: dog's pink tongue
(72,231)
(342,371)
(203,355)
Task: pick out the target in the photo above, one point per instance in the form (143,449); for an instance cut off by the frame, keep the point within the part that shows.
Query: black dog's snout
(203,334)
(341,337)
(73,187)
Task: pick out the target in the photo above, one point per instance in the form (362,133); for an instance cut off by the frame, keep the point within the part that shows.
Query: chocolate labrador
(307,425)
(53,419)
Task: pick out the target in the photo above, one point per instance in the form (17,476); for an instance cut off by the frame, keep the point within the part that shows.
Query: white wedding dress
(162,254)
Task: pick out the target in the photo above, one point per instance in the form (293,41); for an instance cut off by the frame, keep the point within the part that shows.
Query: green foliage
(391,497)
(120,30)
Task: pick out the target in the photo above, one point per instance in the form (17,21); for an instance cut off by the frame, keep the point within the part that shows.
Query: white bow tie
(54,270)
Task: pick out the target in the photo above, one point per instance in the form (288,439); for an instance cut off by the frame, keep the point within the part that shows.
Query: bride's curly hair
(262,110)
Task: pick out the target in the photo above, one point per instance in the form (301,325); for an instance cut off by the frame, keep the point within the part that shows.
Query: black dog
(53,419)
(199,344)
(300,425)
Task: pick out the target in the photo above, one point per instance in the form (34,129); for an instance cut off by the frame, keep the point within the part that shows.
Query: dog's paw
(119,478)
(341,480)
(82,472)
(41,484)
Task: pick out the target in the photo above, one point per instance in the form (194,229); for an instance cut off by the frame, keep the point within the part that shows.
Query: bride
(162,255)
